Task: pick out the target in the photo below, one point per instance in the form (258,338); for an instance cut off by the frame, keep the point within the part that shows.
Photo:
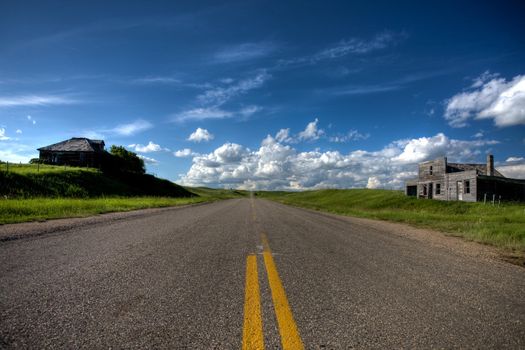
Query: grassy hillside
(30,192)
(29,181)
(206,192)
(497,225)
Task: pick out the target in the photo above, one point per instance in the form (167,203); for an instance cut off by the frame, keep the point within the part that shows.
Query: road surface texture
(248,273)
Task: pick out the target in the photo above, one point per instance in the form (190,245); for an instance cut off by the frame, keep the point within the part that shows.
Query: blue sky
(273,95)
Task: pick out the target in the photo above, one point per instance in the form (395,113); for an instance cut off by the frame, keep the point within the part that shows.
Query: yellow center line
(290,338)
(252,337)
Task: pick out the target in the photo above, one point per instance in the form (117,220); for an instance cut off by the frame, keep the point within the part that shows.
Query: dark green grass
(217,193)
(37,209)
(502,226)
(26,182)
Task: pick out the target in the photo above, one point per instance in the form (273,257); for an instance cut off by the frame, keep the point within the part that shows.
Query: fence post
(485,198)
(7,166)
(493,198)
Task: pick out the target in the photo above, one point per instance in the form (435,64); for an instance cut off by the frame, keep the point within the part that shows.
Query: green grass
(37,209)
(29,192)
(37,168)
(502,226)
(217,193)
(24,181)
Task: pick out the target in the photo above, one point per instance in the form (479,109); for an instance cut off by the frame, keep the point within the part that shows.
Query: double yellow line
(253,337)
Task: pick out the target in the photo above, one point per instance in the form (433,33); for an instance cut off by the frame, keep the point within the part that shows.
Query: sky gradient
(268,95)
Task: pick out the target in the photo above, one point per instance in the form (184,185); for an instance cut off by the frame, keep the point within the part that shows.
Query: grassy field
(37,209)
(30,181)
(502,226)
(29,192)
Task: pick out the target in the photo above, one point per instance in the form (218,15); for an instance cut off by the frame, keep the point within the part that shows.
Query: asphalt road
(183,277)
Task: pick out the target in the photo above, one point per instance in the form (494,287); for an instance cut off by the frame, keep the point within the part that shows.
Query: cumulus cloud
(183,153)
(150,147)
(275,165)
(515,171)
(200,135)
(311,132)
(18,131)
(418,150)
(489,97)
(352,135)
(148,160)
(3,136)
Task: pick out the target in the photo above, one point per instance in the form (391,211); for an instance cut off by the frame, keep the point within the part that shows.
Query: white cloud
(133,128)
(311,132)
(3,136)
(198,114)
(418,150)
(17,153)
(489,98)
(30,118)
(373,182)
(515,168)
(148,160)
(244,52)
(478,134)
(183,153)
(352,135)
(18,131)
(283,135)
(35,100)
(278,166)
(151,80)
(150,147)
(218,96)
(200,135)
(352,46)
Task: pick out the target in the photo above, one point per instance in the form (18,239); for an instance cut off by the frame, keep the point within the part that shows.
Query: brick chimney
(490,165)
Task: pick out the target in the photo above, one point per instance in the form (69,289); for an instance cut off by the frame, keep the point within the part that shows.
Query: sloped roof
(480,168)
(76,144)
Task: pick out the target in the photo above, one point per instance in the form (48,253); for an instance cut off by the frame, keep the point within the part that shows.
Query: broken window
(430,170)
(467,186)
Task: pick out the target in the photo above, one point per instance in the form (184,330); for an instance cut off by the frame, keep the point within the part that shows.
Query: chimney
(490,165)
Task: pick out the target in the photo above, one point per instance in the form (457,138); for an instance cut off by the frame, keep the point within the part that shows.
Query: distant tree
(120,160)
(36,161)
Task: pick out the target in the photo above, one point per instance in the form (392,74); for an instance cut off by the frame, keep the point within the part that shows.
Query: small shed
(77,151)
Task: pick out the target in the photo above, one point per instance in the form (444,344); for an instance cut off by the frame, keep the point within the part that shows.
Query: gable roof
(76,144)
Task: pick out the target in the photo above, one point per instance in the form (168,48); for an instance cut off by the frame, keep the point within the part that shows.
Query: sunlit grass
(35,209)
(502,225)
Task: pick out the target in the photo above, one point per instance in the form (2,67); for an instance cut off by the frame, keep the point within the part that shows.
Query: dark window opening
(431,170)
(424,190)
(467,186)
(438,188)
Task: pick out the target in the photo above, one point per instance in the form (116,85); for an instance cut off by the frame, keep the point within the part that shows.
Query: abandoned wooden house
(441,180)
(77,151)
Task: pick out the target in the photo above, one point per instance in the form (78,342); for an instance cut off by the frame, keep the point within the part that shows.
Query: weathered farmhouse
(441,180)
(77,151)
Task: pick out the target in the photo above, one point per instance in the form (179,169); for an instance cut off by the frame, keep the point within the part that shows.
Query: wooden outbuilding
(77,151)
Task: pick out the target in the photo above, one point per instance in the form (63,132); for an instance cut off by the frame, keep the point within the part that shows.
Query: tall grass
(502,225)
(35,209)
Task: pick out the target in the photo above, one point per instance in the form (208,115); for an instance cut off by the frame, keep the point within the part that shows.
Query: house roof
(76,144)
(480,168)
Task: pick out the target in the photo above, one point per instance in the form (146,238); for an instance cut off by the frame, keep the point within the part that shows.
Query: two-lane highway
(249,271)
